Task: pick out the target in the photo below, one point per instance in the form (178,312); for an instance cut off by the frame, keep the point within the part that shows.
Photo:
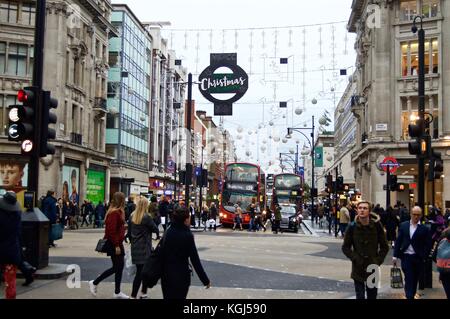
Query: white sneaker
(93,288)
(121,295)
(143,297)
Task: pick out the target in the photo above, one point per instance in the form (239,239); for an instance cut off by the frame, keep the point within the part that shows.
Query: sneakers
(120,295)
(93,288)
(143,297)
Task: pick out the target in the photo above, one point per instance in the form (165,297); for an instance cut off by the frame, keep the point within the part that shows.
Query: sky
(311,34)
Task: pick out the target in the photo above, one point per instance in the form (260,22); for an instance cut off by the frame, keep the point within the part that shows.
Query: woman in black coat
(392,223)
(179,247)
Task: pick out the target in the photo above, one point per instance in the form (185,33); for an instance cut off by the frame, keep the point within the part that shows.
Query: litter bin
(35,228)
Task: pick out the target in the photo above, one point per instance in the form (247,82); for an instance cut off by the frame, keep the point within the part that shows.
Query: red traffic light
(24,95)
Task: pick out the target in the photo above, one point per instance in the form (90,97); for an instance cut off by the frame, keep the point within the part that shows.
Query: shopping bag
(57,231)
(396,278)
(129,266)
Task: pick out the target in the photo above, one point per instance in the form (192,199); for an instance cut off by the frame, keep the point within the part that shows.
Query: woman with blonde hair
(141,228)
(115,234)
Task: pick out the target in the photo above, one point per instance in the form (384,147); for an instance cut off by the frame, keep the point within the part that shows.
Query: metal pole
(188,139)
(38,75)
(388,190)
(175,188)
(421,85)
(329,204)
(201,183)
(336,203)
(313,210)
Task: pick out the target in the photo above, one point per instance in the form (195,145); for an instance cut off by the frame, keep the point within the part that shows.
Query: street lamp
(311,144)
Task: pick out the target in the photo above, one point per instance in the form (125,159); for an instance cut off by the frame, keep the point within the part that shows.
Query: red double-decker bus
(287,190)
(243,182)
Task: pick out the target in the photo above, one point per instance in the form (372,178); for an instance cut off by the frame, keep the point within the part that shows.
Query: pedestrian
(212,216)
(238,217)
(365,244)
(129,208)
(10,250)
(140,233)
(277,219)
(251,210)
(50,210)
(443,261)
(179,248)
(192,214)
(164,211)
(404,213)
(267,217)
(115,235)
(344,219)
(153,210)
(85,213)
(413,246)
(99,214)
(392,223)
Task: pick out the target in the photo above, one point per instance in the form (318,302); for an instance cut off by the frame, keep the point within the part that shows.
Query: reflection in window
(430,8)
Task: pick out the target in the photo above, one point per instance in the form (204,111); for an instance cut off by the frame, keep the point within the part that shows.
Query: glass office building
(127,134)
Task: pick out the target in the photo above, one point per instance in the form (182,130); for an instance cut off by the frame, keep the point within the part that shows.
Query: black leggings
(118,262)
(138,281)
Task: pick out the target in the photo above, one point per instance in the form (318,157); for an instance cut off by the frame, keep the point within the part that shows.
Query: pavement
(240,264)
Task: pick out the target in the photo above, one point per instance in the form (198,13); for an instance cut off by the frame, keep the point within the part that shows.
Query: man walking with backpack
(365,244)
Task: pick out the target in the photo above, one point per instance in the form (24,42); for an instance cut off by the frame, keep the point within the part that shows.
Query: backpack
(443,256)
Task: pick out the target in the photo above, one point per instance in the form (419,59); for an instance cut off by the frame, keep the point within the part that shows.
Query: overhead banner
(223,83)
(319,156)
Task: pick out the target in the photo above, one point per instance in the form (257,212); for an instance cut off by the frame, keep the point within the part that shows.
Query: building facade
(75,71)
(386,97)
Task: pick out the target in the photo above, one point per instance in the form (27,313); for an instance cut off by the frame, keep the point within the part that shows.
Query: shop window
(410,57)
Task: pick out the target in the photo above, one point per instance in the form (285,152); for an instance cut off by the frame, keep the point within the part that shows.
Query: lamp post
(421,85)
(312,147)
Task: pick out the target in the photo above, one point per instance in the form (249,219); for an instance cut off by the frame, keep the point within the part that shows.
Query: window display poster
(71,182)
(95,186)
(13,177)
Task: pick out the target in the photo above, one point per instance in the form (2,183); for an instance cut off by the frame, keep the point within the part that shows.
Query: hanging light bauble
(298,111)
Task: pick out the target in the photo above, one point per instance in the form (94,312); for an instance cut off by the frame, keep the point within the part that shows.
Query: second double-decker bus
(242,184)
(287,189)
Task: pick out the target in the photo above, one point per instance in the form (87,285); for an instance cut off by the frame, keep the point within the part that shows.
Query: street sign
(390,163)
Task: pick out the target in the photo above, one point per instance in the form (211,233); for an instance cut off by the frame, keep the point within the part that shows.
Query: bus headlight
(224,215)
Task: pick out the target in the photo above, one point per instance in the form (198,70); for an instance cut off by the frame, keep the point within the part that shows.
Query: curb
(52,271)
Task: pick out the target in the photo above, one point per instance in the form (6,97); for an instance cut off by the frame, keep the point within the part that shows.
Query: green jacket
(365,245)
(278,213)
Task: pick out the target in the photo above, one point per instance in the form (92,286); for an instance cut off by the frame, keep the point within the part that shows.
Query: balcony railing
(76,138)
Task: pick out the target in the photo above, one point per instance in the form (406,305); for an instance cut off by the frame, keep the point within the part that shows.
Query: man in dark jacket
(10,250)
(50,210)
(365,245)
(413,245)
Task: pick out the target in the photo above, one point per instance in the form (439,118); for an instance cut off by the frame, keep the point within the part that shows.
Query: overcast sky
(298,30)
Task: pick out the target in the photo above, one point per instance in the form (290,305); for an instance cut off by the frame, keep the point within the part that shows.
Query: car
(290,219)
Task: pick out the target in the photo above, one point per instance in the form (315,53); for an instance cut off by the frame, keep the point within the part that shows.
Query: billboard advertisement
(71,182)
(95,186)
(13,177)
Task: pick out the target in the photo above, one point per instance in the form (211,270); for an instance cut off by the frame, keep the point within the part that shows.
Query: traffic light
(22,118)
(436,166)
(182,177)
(204,178)
(48,118)
(392,183)
(189,169)
(340,183)
(422,145)
(329,183)
(401,187)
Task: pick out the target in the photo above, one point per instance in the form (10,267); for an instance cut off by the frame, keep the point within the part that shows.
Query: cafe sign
(212,84)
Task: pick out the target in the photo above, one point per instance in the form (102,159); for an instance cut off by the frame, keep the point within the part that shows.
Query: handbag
(153,267)
(102,246)
(396,278)
(57,231)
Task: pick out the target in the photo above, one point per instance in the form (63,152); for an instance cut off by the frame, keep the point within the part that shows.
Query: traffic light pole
(336,203)
(421,85)
(388,187)
(188,139)
(201,183)
(38,75)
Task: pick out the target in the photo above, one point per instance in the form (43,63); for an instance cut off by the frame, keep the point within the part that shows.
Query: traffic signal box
(329,183)
(436,166)
(421,147)
(30,126)
(393,185)
(23,119)
(48,118)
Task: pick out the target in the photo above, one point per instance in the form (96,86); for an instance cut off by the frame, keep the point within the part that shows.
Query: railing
(76,138)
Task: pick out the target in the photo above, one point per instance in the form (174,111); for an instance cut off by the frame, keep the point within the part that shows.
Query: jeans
(361,289)
(117,269)
(138,281)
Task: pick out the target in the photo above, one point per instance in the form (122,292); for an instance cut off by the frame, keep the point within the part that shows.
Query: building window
(8,12)
(28,13)
(410,57)
(430,8)
(2,57)
(17,59)
(408,10)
